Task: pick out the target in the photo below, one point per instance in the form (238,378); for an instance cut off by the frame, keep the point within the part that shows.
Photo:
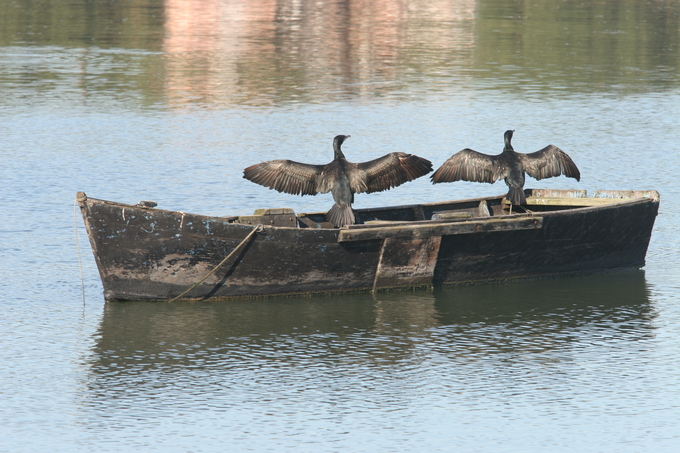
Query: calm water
(170,100)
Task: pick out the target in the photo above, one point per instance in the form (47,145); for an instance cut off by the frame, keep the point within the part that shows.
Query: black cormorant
(340,177)
(469,165)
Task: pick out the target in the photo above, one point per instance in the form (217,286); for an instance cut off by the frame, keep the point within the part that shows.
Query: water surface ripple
(168,100)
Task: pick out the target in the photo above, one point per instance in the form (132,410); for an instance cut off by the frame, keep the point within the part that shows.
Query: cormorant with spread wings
(469,165)
(340,177)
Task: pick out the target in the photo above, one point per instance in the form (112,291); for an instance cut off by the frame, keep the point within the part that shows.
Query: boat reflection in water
(245,364)
(138,339)
(541,316)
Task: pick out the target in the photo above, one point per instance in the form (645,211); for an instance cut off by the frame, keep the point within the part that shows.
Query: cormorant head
(508,137)
(337,142)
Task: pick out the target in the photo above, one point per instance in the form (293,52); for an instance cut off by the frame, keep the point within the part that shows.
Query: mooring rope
(80,263)
(255,230)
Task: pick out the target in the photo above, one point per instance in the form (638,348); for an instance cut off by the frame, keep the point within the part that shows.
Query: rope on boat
(255,230)
(80,263)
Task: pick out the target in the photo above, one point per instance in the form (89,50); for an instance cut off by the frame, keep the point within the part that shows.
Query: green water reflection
(175,53)
(386,328)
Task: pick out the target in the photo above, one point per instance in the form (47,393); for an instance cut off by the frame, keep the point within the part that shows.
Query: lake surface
(170,100)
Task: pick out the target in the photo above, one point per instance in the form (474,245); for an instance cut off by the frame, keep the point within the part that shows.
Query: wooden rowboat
(145,253)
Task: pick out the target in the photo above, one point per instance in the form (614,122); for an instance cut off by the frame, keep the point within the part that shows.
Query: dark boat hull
(153,254)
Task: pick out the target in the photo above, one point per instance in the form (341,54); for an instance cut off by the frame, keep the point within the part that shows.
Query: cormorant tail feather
(340,216)
(516,196)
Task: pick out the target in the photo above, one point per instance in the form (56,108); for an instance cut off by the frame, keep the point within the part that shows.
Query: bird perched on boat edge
(470,165)
(340,177)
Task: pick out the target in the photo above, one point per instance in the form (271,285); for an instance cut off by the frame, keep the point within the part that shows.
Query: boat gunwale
(615,202)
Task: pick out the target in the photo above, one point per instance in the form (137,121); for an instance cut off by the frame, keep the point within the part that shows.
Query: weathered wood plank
(441,229)
(452,215)
(371,224)
(407,261)
(559,193)
(280,217)
(385,222)
(554,201)
(484,209)
(623,194)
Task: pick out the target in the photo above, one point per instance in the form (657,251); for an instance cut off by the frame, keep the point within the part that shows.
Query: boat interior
(538,200)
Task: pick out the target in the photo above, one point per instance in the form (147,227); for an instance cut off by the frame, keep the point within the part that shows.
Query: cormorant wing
(470,165)
(390,170)
(288,176)
(548,162)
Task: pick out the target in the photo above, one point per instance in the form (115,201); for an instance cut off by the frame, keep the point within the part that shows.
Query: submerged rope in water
(80,263)
(256,229)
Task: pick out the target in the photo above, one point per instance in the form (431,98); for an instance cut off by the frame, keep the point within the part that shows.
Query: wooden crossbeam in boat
(456,215)
(281,217)
(441,229)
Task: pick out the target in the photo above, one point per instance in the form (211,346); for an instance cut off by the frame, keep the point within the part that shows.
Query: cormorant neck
(337,151)
(508,138)
(337,143)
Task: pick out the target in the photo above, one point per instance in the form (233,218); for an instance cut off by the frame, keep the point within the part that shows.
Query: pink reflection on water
(265,51)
